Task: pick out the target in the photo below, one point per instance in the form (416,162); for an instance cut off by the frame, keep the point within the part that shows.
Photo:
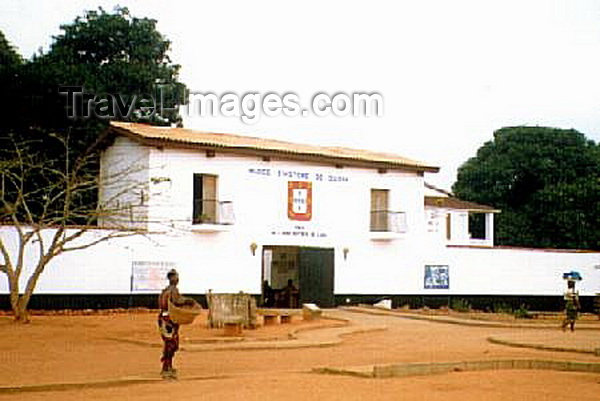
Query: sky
(450,72)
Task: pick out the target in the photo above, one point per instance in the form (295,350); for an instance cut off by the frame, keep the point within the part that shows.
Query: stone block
(311,312)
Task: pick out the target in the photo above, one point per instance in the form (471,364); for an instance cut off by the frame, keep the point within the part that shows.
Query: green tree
(8,56)
(545,180)
(118,54)
(48,162)
(104,53)
(10,66)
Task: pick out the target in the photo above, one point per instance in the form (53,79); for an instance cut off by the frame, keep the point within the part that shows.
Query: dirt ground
(535,317)
(58,349)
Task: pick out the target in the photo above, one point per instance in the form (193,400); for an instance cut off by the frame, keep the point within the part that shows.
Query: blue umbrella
(572,275)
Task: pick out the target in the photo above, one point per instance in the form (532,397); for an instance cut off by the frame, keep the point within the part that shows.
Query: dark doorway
(311,271)
(316,276)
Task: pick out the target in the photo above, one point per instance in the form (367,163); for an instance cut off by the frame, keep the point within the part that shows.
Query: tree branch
(7,265)
(99,240)
(23,240)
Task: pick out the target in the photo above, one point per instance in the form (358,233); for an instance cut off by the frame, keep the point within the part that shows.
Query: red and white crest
(300,200)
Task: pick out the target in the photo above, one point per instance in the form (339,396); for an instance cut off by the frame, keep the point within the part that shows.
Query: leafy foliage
(8,56)
(546,181)
(460,305)
(522,312)
(105,53)
(502,307)
(10,66)
(115,53)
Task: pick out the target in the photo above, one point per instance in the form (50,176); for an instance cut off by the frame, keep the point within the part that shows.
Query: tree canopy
(8,56)
(10,65)
(545,180)
(104,53)
(115,54)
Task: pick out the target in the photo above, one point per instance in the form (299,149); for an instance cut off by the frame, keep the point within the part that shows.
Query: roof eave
(300,156)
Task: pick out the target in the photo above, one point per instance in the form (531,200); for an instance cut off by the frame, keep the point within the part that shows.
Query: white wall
(123,189)
(101,269)
(372,267)
(510,271)
(341,214)
(222,260)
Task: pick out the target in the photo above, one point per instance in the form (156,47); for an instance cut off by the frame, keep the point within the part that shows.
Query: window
(477,225)
(382,218)
(379,209)
(205,199)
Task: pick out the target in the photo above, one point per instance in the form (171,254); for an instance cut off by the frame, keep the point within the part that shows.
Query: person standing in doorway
(169,330)
(290,294)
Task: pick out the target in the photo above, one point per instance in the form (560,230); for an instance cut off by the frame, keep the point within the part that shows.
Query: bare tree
(51,205)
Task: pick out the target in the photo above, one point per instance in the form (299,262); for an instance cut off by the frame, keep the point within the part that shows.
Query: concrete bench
(270,319)
(274,316)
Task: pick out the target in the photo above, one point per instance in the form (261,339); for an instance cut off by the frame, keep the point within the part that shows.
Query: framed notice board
(437,277)
(149,275)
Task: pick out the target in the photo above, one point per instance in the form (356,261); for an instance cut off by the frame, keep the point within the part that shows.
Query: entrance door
(316,276)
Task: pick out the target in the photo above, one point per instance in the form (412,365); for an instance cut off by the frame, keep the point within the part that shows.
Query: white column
(489,228)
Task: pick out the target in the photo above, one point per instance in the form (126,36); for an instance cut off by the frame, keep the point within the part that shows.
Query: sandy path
(472,386)
(69,349)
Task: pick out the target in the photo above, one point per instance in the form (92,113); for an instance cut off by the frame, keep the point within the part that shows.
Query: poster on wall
(300,200)
(150,275)
(437,277)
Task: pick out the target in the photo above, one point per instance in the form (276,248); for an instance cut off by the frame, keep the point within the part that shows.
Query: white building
(230,212)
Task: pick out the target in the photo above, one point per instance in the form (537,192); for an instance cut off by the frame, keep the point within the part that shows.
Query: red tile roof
(166,136)
(455,203)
